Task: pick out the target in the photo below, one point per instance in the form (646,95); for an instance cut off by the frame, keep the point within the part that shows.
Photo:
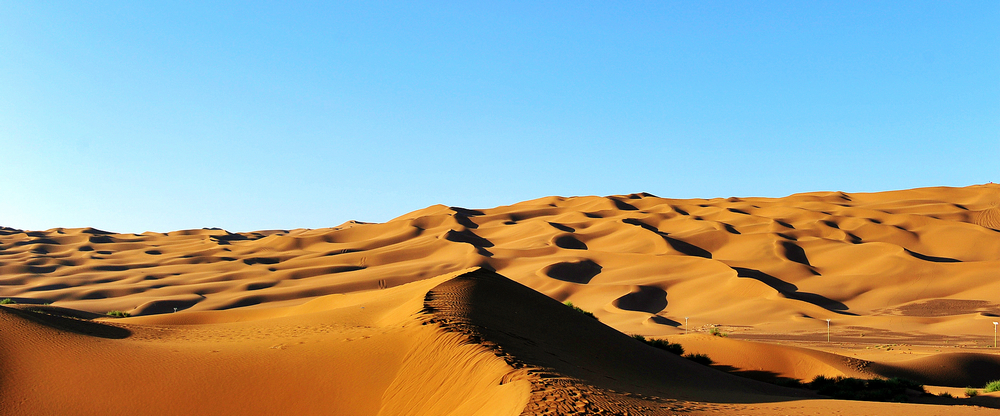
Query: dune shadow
(101,239)
(562,227)
(47,241)
(795,253)
(687,248)
(624,206)
(157,307)
(639,223)
(649,299)
(854,238)
(538,333)
(110,268)
(261,260)
(931,258)
(657,319)
(467,212)
(679,245)
(469,237)
(226,239)
(784,224)
(950,369)
(570,242)
(787,236)
(465,221)
(52,286)
(985,401)
(9,231)
(42,269)
(791,291)
(59,318)
(574,272)
(759,375)
(244,302)
(462,216)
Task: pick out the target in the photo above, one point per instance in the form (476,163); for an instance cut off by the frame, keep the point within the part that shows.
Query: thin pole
(827,330)
(995,334)
(685,325)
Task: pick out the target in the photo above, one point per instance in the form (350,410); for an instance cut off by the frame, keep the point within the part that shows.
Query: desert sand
(455,311)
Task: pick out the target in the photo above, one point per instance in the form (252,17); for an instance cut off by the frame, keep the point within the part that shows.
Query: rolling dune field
(456,311)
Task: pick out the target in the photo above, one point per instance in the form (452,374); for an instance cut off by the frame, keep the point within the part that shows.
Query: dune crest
(343,354)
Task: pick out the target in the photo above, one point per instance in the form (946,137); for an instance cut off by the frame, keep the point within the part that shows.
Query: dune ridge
(362,354)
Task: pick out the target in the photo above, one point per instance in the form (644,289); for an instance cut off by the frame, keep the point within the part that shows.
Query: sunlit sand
(454,311)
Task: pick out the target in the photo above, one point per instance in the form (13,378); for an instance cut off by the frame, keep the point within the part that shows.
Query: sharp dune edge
(453,311)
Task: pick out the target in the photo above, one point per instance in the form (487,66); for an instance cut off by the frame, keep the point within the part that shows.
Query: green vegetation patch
(699,358)
(876,389)
(578,309)
(661,344)
(992,386)
(118,314)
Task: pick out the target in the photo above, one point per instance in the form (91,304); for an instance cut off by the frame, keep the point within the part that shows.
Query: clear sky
(136,116)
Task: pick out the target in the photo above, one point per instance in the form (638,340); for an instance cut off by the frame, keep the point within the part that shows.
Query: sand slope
(770,362)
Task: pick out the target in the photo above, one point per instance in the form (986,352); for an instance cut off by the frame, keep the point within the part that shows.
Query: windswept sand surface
(453,311)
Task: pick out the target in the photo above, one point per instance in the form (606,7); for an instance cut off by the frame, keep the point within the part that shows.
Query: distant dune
(455,311)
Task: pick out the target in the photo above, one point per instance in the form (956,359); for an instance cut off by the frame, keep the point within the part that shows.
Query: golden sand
(452,311)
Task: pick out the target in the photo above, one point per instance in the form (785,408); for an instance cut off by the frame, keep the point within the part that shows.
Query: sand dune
(771,362)
(949,369)
(450,310)
(360,354)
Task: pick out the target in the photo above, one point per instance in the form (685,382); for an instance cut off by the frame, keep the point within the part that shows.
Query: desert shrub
(578,309)
(7,301)
(661,344)
(971,392)
(946,395)
(876,389)
(118,314)
(667,346)
(699,358)
(992,386)
(716,332)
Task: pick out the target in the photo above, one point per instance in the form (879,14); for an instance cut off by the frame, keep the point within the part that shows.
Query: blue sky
(136,116)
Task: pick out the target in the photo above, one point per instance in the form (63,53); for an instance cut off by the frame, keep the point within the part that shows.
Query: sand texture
(454,311)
